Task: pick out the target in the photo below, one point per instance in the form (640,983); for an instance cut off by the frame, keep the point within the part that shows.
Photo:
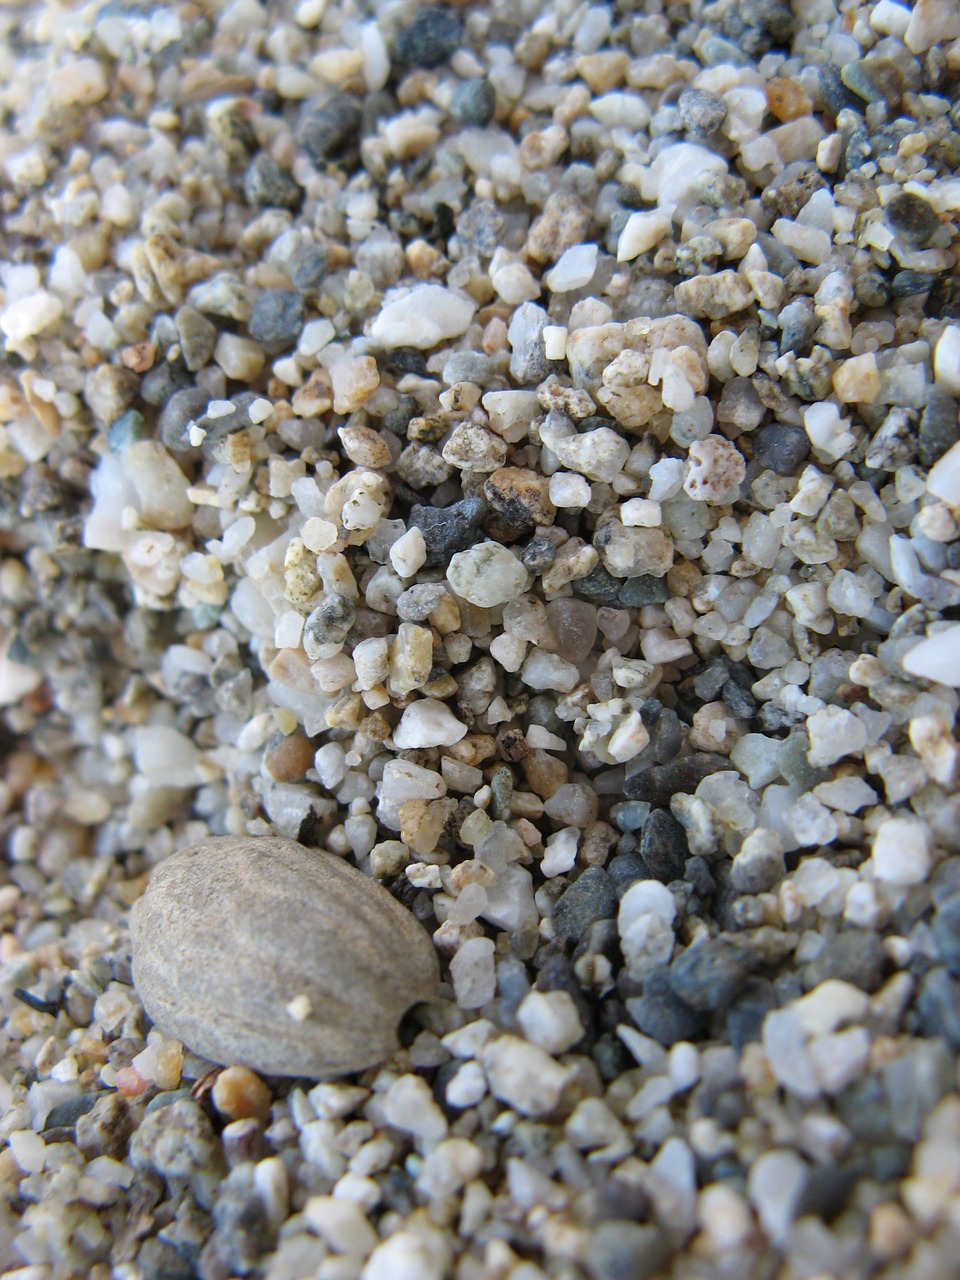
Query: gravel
(518,455)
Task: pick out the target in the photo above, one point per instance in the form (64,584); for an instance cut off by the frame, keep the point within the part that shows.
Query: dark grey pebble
(480,227)
(781,447)
(774,718)
(266,185)
(166,1099)
(308,265)
(327,128)
(513,984)
(198,337)
(474,102)
(447,530)
(611,1056)
(125,431)
(627,867)
(181,409)
(858,150)
(398,419)
(798,324)
(176,1141)
(874,80)
(659,783)
(276,319)
(666,736)
(623,1250)
(65,1114)
(243,1228)
(404,360)
(630,815)
(163,381)
(827,1189)
(702,113)
(908,284)
(217,429)
(598,586)
(871,289)
(710,679)
(855,956)
(943,302)
(542,710)
(864,1109)
(630,196)
(946,932)
(710,974)
(744,1021)
(539,554)
(779,258)
(590,898)
(660,1012)
(697,873)
(889,1162)
(329,623)
(773,18)
(714,51)
(663,846)
(159,1260)
(895,444)
(913,219)
(938,1005)
(433,35)
(914,1082)
(740,700)
(939,427)
(835,94)
(635,593)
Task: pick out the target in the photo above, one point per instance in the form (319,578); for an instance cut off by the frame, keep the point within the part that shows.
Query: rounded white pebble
(574,269)
(549,1019)
(408,553)
(427,723)
(641,233)
(937,658)
(901,851)
(473,973)
(569,490)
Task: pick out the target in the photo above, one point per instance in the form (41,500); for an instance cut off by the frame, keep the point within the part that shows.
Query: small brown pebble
(786,99)
(512,743)
(315,397)
(240,1094)
(243,1141)
(544,773)
(603,71)
(105,1128)
(564,222)
(288,759)
(428,430)
(519,497)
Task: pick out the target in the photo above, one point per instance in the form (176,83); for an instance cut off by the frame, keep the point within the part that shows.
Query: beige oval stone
(261,953)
